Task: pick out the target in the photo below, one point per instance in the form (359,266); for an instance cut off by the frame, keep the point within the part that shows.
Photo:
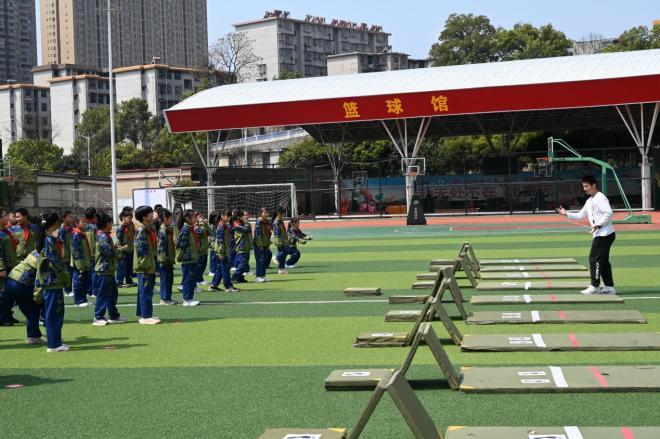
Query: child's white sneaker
(590,290)
(190,302)
(280,271)
(63,348)
(99,322)
(149,321)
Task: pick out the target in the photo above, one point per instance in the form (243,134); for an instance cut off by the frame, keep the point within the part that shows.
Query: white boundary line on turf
(310,302)
(292,302)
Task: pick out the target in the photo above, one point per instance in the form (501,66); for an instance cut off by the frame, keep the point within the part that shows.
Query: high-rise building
(357,62)
(302,46)
(24,113)
(75,32)
(18,40)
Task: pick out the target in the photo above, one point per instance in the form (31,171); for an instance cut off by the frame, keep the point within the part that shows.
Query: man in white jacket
(598,210)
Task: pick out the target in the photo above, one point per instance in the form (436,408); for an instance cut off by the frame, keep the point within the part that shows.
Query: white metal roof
(524,72)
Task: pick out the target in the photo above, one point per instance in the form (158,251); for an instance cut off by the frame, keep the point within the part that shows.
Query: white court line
(527,285)
(527,298)
(538,340)
(536,317)
(292,302)
(558,377)
(573,433)
(310,302)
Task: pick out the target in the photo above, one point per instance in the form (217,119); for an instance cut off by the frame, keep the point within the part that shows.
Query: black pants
(599,260)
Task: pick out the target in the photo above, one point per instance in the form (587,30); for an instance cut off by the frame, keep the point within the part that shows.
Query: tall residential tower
(173,32)
(18,41)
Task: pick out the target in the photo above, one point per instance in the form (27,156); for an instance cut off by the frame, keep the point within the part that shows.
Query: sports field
(256,359)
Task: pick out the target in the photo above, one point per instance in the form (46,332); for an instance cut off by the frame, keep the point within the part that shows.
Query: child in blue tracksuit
(242,248)
(166,257)
(146,243)
(214,219)
(52,277)
(106,270)
(90,233)
(262,253)
(203,232)
(20,289)
(81,263)
(125,235)
(222,244)
(296,235)
(64,234)
(187,253)
(284,247)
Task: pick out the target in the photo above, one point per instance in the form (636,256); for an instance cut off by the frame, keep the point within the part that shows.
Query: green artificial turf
(243,362)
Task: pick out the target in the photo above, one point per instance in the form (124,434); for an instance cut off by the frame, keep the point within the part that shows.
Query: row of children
(38,265)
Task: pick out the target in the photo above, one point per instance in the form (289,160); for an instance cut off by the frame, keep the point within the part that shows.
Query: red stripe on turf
(601,379)
(627,433)
(574,340)
(562,315)
(553,298)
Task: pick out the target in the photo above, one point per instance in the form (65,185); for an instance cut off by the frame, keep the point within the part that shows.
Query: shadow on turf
(80,344)
(27,381)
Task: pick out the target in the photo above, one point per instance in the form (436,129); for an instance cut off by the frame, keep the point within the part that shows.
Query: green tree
(27,158)
(636,38)
(136,124)
(305,154)
(466,39)
(286,74)
(93,132)
(525,41)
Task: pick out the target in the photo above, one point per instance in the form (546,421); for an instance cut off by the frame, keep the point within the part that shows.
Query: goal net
(250,197)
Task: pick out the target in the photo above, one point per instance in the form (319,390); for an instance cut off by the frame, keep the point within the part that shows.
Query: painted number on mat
(356,374)
(520,340)
(511,315)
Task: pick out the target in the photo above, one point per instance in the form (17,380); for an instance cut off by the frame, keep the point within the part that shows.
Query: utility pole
(89,154)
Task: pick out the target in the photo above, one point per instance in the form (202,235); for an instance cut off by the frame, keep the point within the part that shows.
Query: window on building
(187,84)
(177,75)
(178,91)
(28,107)
(44,107)
(92,98)
(44,94)
(27,92)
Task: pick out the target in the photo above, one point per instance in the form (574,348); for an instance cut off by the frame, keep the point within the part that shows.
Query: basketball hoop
(543,167)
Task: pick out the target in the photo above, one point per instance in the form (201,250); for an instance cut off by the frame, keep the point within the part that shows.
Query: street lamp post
(89,154)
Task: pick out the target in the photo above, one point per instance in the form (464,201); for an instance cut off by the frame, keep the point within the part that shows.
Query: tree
(525,41)
(286,74)
(234,56)
(466,39)
(302,155)
(636,38)
(27,158)
(93,138)
(136,124)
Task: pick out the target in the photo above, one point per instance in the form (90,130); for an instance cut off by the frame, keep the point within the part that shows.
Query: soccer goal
(250,197)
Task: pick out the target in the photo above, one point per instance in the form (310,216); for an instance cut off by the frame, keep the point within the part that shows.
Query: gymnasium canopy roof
(547,94)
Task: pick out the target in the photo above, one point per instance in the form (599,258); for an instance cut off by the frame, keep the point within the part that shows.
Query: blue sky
(416,24)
